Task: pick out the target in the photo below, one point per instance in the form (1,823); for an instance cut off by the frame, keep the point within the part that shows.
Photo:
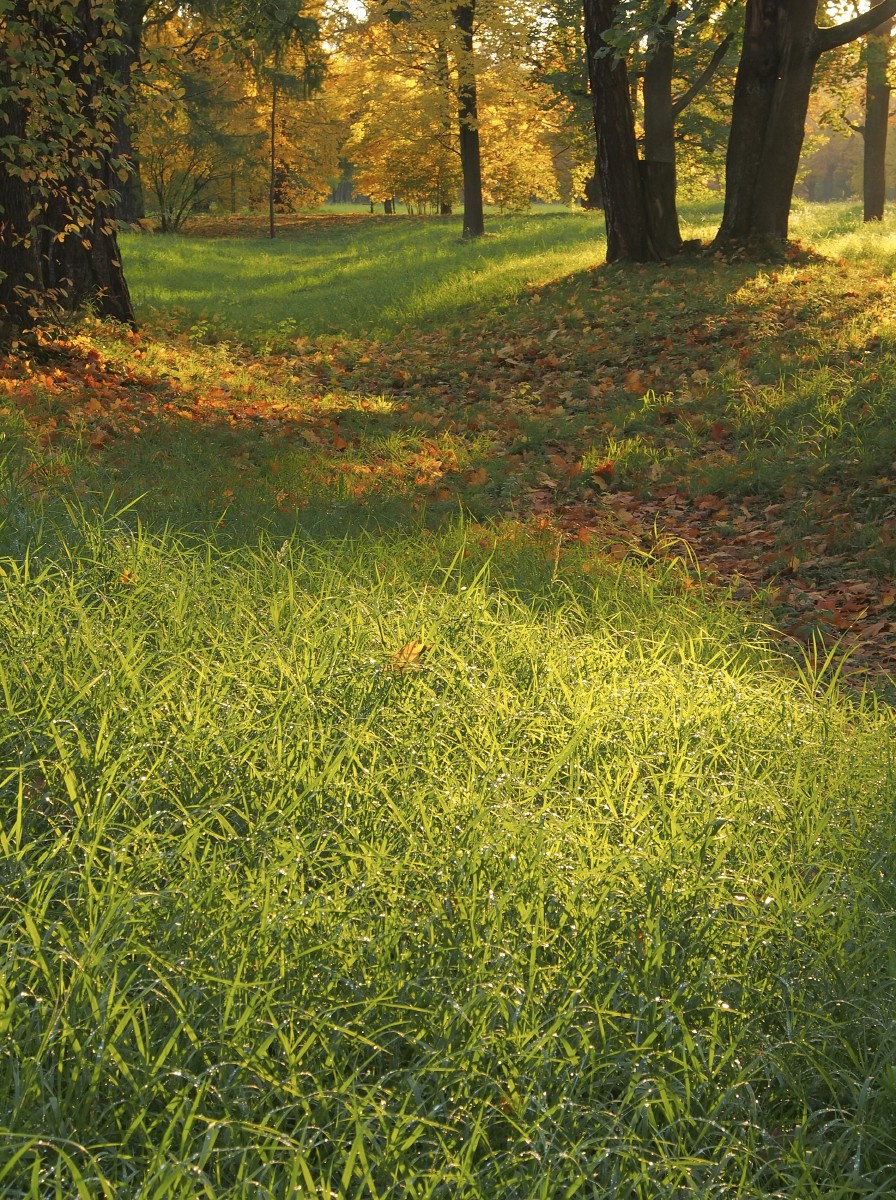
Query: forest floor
(739,416)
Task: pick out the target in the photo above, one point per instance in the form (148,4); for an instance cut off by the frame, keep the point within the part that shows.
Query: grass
(597,901)
(375,277)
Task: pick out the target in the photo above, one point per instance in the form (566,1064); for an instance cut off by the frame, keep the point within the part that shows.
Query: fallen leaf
(408,657)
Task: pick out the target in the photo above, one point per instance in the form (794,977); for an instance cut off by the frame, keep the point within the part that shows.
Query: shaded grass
(596,902)
(368,277)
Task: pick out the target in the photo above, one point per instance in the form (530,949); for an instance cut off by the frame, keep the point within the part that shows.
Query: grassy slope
(598,901)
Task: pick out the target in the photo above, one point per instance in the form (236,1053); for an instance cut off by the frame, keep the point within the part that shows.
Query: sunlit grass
(598,901)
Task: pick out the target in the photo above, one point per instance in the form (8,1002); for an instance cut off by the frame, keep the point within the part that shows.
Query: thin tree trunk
(877,113)
(594,197)
(468,114)
(443,73)
(272,182)
(628,232)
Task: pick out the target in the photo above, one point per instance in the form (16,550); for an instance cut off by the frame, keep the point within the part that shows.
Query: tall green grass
(597,902)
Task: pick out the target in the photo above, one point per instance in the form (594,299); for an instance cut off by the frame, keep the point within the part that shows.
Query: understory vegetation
(453,759)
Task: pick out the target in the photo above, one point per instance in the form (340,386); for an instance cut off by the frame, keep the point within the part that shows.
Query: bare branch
(848,31)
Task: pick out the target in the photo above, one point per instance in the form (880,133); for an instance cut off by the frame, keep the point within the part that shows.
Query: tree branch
(848,31)
(679,105)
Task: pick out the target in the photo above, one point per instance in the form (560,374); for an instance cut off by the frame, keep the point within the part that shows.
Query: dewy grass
(597,902)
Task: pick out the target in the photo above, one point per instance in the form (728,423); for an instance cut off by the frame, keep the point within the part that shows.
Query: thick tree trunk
(877,113)
(468,113)
(628,230)
(60,247)
(18,251)
(659,142)
(771,96)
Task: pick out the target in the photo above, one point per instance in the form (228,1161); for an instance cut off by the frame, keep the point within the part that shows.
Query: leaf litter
(740,419)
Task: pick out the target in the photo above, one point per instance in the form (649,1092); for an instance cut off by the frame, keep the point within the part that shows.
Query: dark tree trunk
(877,113)
(628,230)
(468,114)
(771,95)
(18,257)
(659,141)
(130,206)
(443,74)
(60,247)
(829,173)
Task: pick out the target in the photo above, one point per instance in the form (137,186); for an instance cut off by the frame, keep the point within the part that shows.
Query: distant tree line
(110,108)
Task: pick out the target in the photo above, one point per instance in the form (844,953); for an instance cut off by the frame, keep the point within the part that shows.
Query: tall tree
(642,220)
(782,44)
(661,112)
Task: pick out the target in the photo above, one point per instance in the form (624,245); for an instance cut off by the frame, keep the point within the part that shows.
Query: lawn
(355,275)
(453,760)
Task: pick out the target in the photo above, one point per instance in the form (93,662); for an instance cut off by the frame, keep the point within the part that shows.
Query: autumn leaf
(408,658)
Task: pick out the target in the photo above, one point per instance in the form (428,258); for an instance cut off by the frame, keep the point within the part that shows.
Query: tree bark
(771,96)
(659,140)
(628,228)
(18,251)
(468,114)
(877,114)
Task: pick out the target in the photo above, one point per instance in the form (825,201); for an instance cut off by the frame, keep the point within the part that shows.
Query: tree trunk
(628,231)
(60,247)
(130,206)
(771,96)
(468,114)
(659,141)
(272,181)
(18,251)
(877,113)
